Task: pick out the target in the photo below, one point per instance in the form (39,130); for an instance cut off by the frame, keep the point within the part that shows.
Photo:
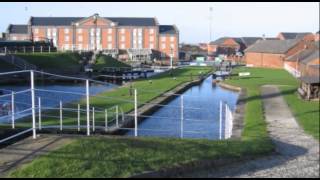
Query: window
(109,30)
(151,39)
(36,30)
(140,41)
(14,38)
(49,32)
(109,38)
(172,38)
(80,46)
(151,31)
(66,38)
(36,39)
(140,32)
(80,38)
(163,45)
(151,46)
(54,32)
(134,31)
(98,30)
(92,32)
(109,46)
(66,30)
(123,31)
(123,38)
(172,45)
(122,46)
(66,46)
(163,38)
(79,30)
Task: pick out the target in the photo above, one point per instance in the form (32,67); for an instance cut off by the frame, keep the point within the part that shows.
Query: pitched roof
(312,56)
(18,29)
(66,21)
(310,79)
(219,41)
(294,35)
(272,46)
(300,55)
(248,41)
(167,29)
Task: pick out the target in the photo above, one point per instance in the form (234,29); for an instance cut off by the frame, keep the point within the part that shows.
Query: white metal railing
(294,72)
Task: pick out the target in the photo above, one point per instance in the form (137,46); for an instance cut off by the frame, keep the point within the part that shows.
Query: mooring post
(39,112)
(60,115)
(78,117)
(220,120)
(106,119)
(93,121)
(181,124)
(33,105)
(88,107)
(117,116)
(135,113)
(12,110)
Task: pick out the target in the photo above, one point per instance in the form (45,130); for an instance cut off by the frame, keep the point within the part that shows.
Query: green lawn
(307,113)
(123,157)
(5,67)
(53,61)
(108,61)
(255,125)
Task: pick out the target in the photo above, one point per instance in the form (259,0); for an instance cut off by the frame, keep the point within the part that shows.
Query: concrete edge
(239,112)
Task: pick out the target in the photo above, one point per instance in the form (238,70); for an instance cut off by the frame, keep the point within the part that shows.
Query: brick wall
(264,60)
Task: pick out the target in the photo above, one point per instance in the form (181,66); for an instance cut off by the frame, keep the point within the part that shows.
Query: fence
(81,114)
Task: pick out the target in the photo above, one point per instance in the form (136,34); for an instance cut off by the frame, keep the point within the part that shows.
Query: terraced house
(111,34)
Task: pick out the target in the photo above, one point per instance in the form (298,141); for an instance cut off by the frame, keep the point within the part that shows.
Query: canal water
(201,113)
(48,99)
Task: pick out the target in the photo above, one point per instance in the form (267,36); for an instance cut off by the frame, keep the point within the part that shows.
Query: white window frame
(80,38)
(122,46)
(36,30)
(123,38)
(163,38)
(109,45)
(151,38)
(122,31)
(14,38)
(54,32)
(172,38)
(109,38)
(79,31)
(172,45)
(66,38)
(163,45)
(151,46)
(110,31)
(151,31)
(66,30)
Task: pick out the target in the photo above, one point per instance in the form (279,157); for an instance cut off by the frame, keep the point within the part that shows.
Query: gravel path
(297,154)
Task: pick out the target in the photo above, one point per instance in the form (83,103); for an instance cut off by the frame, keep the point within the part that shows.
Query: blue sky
(192,18)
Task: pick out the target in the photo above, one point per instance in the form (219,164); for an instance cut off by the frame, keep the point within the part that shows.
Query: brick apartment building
(113,34)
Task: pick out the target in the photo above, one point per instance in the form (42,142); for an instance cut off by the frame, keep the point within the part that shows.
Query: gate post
(12,110)
(60,115)
(33,106)
(135,113)
(88,107)
(39,111)
(78,117)
(181,124)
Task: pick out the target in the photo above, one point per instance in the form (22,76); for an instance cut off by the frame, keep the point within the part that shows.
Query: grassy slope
(58,61)
(306,112)
(5,67)
(108,61)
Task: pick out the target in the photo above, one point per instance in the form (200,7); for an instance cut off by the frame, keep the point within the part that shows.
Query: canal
(48,99)
(201,113)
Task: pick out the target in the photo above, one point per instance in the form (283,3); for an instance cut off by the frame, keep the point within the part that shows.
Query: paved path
(297,154)
(25,150)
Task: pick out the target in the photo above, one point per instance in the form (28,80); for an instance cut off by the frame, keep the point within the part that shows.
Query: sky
(192,18)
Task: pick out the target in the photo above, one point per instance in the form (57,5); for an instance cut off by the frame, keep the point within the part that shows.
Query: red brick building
(101,33)
(272,53)
(307,36)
